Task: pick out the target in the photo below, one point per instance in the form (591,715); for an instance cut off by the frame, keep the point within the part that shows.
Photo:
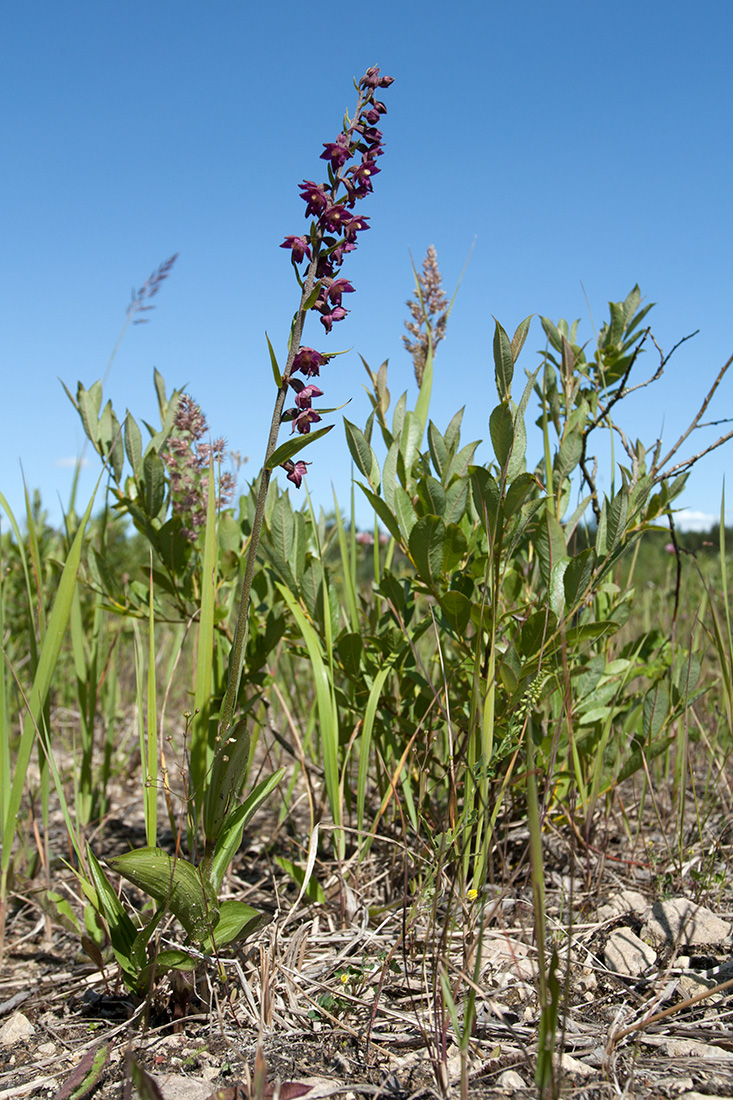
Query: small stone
(626,901)
(574,1066)
(16,1028)
(679,920)
(627,954)
(510,1081)
(47,1049)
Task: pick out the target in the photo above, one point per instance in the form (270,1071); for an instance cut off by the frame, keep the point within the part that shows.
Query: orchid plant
(219,753)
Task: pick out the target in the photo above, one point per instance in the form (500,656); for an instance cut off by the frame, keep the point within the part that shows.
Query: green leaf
(398,416)
(154,484)
(520,336)
(427,540)
(656,710)
(236,921)
(517,492)
(134,447)
(434,495)
(455,500)
(438,450)
(487,498)
(122,931)
(550,544)
(557,586)
(568,456)
(410,439)
(226,778)
(273,363)
(362,454)
(292,447)
(230,834)
(577,577)
(536,632)
(89,403)
(501,427)
(455,547)
(457,611)
(175,884)
(405,513)
(503,364)
(384,513)
(389,473)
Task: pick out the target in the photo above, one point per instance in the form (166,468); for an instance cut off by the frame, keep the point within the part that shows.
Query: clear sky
(584,147)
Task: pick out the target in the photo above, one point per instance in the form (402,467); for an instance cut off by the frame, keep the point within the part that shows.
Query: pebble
(627,954)
(16,1028)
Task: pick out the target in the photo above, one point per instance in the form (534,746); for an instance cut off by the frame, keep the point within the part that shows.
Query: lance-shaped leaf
(230,834)
(501,427)
(362,454)
(292,447)
(427,540)
(226,778)
(503,363)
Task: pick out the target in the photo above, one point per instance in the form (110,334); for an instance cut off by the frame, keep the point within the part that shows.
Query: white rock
(679,920)
(626,901)
(16,1028)
(573,1065)
(510,1081)
(627,954)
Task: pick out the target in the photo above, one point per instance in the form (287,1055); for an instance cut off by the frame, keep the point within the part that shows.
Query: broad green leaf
(516,493)
(173,883)
(536,632)
(501,427)
(398,416)
(577,577)
(281,526)
(568,456)
(455,500)
(427,541)
(454,547)
(452,434)
(237,920)
(457,611)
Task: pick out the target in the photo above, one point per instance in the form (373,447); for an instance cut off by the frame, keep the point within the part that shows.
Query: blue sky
(584,147)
